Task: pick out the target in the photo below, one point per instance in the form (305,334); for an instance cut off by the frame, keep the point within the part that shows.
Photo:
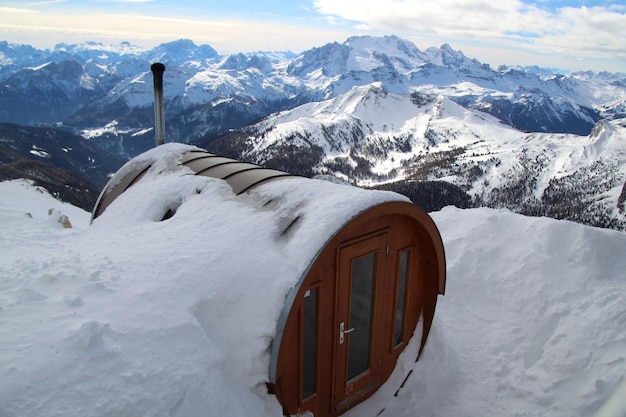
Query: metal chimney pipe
(159,119)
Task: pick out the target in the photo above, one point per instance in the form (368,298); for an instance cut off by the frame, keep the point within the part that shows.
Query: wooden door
(361,272)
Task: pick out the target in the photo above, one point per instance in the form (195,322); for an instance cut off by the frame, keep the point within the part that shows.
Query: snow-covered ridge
(97,321)
(370,136)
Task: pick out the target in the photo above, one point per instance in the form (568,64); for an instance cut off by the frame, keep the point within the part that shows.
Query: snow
(113,127)
(365,53)
(39,67)
(217,83)
(134,316)
(37,151)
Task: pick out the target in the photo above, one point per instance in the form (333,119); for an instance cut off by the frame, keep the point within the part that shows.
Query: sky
(565,34)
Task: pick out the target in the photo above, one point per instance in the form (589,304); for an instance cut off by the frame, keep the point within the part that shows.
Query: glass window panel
(361,306)
(403,263)
(309,344)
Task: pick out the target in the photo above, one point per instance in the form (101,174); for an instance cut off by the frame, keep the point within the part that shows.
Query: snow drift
(102,321)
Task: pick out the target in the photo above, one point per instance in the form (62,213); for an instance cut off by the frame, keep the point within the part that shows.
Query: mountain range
(69,167)
(105,92)
(373,111)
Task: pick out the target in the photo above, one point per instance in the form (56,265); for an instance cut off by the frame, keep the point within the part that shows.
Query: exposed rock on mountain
(68,166)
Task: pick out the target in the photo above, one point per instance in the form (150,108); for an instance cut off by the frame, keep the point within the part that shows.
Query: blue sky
(566,34)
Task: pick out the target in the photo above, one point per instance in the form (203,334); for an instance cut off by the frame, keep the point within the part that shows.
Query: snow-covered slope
(94,324)
(369,135)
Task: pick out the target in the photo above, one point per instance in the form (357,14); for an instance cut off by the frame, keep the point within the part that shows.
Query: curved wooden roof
(241,176)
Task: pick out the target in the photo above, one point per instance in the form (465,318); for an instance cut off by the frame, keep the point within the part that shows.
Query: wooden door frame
(344,392)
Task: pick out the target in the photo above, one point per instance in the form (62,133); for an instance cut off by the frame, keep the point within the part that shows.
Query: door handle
(342,332)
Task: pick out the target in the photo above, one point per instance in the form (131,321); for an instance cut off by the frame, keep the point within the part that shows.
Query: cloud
(598,32)
(13,10)
(44,3)
(225,35)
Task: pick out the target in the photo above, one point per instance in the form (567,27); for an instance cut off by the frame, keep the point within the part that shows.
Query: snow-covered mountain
(47,93)
(68,166)
(105,92)
(370,136)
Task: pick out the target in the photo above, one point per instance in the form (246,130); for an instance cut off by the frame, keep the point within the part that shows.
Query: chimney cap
(157,67)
